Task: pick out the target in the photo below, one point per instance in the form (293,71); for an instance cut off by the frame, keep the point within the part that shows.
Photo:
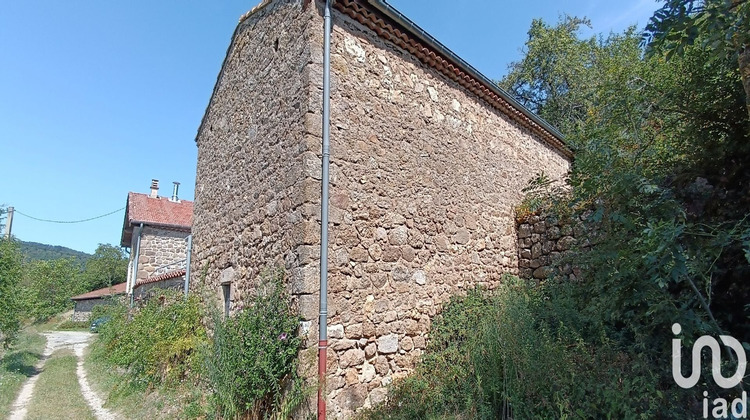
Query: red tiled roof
(116,289)
(161,277)
(158,211)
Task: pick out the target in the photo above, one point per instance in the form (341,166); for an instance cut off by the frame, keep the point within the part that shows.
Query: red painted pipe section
(322,355)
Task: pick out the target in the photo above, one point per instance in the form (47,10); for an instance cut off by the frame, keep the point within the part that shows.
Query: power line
(69,221)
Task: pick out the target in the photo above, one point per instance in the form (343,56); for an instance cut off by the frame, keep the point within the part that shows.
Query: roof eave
(170,226)
(425,37)
(77,298)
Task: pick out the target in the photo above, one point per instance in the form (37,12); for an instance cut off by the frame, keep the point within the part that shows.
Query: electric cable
(15,210)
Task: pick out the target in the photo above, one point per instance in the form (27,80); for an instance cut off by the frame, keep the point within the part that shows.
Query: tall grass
(246,367)
(251,364)
(159,344)
(517,353)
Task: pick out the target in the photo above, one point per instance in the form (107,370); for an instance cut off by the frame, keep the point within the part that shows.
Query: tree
(547,84)
(108,266)
(50,286)
(722,26)
(660,169)
(10,276)
(3,218)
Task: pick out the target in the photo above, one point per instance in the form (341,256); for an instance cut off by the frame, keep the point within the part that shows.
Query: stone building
(428,161)
(85,303)
(156,230)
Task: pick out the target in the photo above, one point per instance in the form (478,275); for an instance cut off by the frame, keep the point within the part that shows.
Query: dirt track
(56,340)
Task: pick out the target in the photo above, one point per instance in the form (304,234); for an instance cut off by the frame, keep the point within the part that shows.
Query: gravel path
(56,340)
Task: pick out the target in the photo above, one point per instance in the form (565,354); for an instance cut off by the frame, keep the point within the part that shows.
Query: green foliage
(542,194)
(33,251)
(107,267)
(69,325)
(46,285)
(660,169)
(252,362)
(247,368)
(49,286)
(159,344)
(18,364)
(517,353)
(718,25)
(546,83)
(10,303)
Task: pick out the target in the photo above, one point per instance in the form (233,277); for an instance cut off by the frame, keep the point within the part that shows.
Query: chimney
(154,188)
(174,191)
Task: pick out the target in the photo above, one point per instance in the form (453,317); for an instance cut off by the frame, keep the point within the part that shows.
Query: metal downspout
(187,262)
(135,263)
(323,320)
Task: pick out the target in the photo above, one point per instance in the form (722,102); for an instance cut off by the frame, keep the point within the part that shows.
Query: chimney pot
(154,188)
(174,191)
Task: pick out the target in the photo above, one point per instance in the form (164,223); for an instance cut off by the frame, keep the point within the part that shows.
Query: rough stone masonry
(427,166)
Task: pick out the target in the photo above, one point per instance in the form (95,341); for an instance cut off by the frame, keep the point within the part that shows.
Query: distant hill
(33,251)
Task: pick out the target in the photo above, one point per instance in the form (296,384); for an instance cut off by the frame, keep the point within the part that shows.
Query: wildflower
(283,336)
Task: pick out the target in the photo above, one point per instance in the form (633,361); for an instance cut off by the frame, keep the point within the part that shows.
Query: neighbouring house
(429,158)
(156,230)
(85,303)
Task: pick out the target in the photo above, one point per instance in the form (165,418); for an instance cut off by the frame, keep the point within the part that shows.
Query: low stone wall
(543,240)
(143,292)
(83,308)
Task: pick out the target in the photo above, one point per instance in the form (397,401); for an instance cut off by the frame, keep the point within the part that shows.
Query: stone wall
(83,308)
(427,177)
(543,240)
(160,247)
(254,187)
(424,179)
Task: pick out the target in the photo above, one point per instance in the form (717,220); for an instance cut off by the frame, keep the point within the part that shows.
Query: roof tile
(116,289)
(158,211)
(161,277)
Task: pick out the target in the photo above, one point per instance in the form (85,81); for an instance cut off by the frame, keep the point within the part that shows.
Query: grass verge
(62,322)
(182,401)
(57,393)
(18,364)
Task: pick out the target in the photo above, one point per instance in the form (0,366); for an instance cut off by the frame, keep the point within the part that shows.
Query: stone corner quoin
(424,178)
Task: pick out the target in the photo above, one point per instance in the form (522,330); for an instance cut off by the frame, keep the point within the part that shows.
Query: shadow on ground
(22,361)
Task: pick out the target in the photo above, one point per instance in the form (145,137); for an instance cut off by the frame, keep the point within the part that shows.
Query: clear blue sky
(98,97)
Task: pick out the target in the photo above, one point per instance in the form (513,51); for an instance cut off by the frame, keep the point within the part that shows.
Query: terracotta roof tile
(161,277)
(158,211)
(117,289)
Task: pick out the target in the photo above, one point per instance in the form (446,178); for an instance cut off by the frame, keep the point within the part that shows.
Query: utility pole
(9,223)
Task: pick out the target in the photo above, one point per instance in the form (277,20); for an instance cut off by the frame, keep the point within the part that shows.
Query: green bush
(11,271)
(252,362)
(159,344)
(74,325)
(247,368)
(517,352)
